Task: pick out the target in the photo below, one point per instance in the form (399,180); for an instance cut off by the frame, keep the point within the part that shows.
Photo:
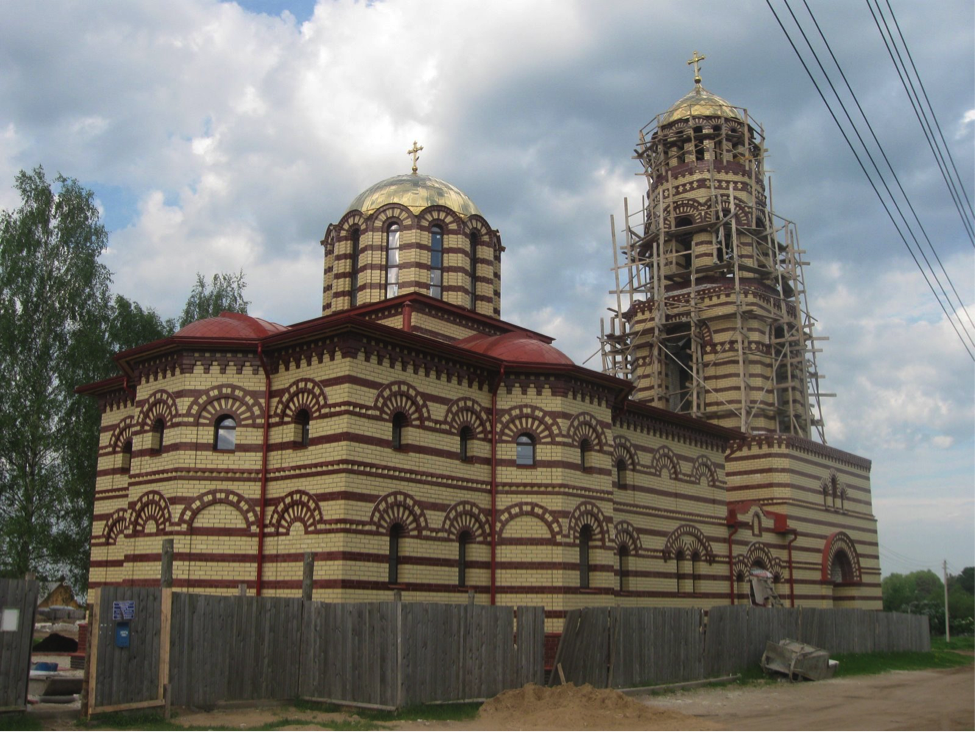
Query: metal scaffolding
(667,266)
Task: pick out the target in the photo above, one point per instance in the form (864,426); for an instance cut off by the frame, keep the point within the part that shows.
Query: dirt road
(940,699)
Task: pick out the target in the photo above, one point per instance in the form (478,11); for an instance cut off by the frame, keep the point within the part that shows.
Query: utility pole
(944,567)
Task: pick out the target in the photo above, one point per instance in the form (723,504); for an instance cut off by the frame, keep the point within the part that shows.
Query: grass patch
(860,664)
(20,720)
(303,705)
(433,712)
(129,720)
(155,721)
(958,643)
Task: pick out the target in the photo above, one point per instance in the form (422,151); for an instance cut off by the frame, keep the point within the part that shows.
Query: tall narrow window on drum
(436,262)
(473,272)
(392,260)
(354,280)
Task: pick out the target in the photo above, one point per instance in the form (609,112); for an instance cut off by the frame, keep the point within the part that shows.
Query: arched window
(126,456)
(158,433)
(525,449)
(225,434)
(624,558)
(621,473)
(354,280)
(302,428)
(399,425)
(436,262)
(842,568)
(585,447)
(462,542)
(466,435)
(695,569)
(473,271)
(585,536)
(681,561)
(392,260)
(395,532)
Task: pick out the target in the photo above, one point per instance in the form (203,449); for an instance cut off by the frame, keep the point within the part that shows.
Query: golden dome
(700,103)
(416,192)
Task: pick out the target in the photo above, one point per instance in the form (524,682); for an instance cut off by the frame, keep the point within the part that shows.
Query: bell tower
(712,318)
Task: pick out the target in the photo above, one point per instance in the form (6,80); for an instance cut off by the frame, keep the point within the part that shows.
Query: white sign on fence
(123,610)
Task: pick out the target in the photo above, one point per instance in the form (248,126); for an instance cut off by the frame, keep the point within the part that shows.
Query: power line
(925,124)
(864,169)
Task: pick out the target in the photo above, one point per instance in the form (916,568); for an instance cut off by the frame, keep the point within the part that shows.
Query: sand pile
(577,708)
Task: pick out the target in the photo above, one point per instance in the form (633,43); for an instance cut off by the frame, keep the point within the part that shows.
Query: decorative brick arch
(704,470)
(688,540)
(665,459)
(533,510)
(466,516)
(438,214)
(122,433)
(838,542)
(301,394)
(401,396)
(391,212)
(151,506)
(528,418)
(588,513)
(298,507)
(399,508)
(757,553)
(584,426)
(477,224)
(688,207)
(226,399)
(115,526)
(467,412)
(623,450)
(626,535)
(211,498)
(161,404)
(350,221)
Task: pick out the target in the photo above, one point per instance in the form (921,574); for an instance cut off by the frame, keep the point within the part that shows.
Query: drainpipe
(731,565)
(792,577)
(408,317)
(494,484)
(267,419)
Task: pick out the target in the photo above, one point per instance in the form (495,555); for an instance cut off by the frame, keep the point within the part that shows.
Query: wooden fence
(620,647)
(219,648)
(18,601)
(736,634)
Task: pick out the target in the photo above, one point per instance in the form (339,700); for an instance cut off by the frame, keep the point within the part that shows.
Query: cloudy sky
(222,136)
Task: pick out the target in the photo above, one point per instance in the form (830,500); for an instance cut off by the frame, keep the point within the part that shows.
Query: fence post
(400,690)
(308,576)
(242,589)
(165,621)
(470,597)
(94,600)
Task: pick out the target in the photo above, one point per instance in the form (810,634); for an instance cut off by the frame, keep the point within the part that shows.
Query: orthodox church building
(414,441)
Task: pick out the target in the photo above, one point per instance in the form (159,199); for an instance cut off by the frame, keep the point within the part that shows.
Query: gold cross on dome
(696,60)
(415,152)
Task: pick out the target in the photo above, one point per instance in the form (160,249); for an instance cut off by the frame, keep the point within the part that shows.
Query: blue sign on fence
(122,635)
(123,610)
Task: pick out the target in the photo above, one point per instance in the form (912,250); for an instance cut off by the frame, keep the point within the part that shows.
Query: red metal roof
(516,347)
(232,326)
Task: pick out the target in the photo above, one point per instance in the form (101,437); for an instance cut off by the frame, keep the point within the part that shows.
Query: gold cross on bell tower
(415,152)
(696,60)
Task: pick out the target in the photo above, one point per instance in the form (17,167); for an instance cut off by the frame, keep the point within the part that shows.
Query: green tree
(225,292)
(54,300)
(967,580)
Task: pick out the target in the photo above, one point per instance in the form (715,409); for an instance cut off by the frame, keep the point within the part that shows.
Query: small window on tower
(392,260)
(525,449)
(436,262)
(225,434)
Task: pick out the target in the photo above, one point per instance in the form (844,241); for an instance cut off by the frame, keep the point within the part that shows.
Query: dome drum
(407,234)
